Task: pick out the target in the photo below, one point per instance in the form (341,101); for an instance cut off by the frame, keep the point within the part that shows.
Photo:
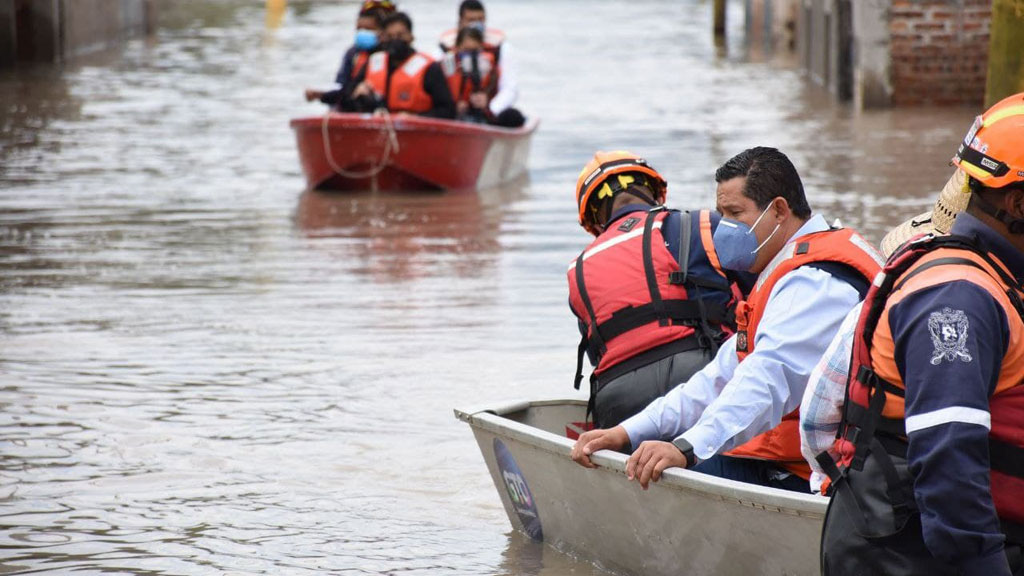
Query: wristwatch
(687,449)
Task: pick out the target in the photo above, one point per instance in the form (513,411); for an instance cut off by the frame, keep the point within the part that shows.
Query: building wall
(59,30)
(939,51)
(881,53)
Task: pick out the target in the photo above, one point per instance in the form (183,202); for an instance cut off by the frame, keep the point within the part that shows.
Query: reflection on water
(204,370)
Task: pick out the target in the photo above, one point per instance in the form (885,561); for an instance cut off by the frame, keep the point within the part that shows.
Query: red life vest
(632,295)
(493,39)
(459,73)
(359,60)
(875,408)
(840,246)
(402,91)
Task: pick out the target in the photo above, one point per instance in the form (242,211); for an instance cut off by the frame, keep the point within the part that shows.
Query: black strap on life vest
(592,339)
(693,311)
(652,276)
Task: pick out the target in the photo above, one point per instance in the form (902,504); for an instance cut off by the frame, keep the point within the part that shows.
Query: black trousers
(628,394)
(845,551)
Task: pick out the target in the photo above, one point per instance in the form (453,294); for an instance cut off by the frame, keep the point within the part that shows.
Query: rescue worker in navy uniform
(369,25)
(647,321)
(930,475)
(402,80)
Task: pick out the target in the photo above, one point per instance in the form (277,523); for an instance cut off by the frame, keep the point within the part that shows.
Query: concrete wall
(60,30)
(882,53)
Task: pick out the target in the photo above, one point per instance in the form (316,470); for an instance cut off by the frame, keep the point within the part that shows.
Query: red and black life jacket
(873,424)
(493,39)
(461,80)
(401,90)
(635,298)
(837,247)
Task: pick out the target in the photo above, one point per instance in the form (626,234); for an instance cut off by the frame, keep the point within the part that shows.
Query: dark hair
(398,17)
(473,33)
(376,13)
(470,5)
(769,174)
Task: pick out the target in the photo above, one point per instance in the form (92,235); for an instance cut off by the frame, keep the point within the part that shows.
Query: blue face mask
(365,39)
(477,25)
(736,243)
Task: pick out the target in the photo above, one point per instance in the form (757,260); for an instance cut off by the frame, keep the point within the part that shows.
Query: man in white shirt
(473,14)
(737,418)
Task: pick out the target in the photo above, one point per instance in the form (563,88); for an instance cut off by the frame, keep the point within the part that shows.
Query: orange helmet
(993,150)
(595,178)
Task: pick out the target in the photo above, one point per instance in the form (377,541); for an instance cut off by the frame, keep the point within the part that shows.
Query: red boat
(373,152)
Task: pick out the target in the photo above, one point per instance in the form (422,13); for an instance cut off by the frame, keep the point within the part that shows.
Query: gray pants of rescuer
(628,394)
(846,549)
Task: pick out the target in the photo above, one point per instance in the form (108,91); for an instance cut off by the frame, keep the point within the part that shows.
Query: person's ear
(781,208)
(1013,203)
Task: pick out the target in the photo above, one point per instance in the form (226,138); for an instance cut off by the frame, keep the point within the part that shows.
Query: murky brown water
(204,370)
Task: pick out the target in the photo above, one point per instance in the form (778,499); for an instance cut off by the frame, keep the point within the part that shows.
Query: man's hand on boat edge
(645,465)
(601,439)
(647,462)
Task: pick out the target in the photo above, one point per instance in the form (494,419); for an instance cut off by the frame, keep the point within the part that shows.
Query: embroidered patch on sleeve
(948,328)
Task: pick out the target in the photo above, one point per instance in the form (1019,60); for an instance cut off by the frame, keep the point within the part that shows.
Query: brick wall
(939,51)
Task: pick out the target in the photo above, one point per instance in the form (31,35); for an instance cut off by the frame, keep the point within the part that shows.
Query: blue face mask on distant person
(366,39)
(482,27)
(736,243)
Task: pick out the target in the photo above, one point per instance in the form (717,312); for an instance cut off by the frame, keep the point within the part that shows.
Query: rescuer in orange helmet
(652,302)
(928,469)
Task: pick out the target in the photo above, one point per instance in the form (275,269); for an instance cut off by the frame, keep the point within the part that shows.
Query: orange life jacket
(402,90)
(875,408)
(359,60)
(634,297)
(839,246)
(459,75)
(493,39)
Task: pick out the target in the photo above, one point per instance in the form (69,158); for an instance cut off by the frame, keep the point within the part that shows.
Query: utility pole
(1006,51)
(719,10)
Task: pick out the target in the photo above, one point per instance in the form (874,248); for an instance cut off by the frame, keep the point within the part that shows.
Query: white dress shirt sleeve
(802,315)
(668,416)
(822,407)
(508,81)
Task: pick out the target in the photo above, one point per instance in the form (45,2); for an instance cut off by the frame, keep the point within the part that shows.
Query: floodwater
(205,370)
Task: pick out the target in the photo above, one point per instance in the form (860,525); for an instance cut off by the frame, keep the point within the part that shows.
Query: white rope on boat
(390,147)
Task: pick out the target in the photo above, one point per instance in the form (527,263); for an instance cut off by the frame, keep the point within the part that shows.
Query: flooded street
(206,370)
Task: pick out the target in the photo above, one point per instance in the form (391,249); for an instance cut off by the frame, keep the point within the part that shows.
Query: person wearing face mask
(737,417)
(927,469)
(472,76)
(402,80)
(652,302)
(501,105)
(369,24)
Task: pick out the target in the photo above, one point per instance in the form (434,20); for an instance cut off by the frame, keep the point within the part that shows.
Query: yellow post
(1006,51)
(719,18)
(275,13)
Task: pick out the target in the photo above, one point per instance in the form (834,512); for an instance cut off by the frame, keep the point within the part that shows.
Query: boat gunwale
(492,419)
(411,124)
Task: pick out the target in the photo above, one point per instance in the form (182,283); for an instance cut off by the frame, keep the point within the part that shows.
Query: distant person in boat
(473,15)
(369,25)
(652,301)
(928,472)
(737,418)
(473,79)
(402,80)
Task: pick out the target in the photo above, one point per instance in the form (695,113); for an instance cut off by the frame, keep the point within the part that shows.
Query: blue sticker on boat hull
(518,491)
